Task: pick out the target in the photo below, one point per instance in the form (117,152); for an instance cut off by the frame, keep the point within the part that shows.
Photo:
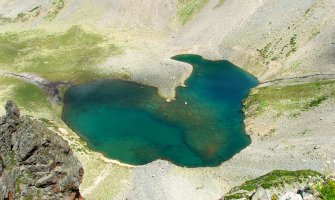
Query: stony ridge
(35,163)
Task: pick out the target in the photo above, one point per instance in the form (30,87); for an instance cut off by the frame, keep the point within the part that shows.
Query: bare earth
(148,32)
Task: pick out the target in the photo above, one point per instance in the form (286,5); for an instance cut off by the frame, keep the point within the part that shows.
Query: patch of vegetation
(315,32)
(69,56)
(315,102)
(292,98)
(20,179)
(187,9)
(293,45)
(38,195)
(272,131)
(327,189)
(275,179)
(26,95)
(307,12)
(58,5)
(278,48)
(5,20)
(28,197)
(11,161)
(221,2)
(296,64)
(265,52)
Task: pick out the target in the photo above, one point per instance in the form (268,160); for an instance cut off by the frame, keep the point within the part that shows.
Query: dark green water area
(129,122)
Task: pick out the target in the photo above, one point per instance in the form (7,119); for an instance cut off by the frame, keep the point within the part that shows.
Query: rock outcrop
(285,185)
(35,163)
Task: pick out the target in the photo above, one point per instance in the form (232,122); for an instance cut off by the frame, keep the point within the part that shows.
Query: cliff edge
(34,162)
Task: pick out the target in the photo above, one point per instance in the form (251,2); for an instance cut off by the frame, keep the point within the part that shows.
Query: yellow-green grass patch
(187,9)
(30,98)
(69,56)
(291,98)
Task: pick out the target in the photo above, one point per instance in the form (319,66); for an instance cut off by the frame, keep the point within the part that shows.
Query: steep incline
(34,162)
(270,38)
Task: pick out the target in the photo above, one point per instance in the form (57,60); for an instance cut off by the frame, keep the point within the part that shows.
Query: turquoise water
(129,122)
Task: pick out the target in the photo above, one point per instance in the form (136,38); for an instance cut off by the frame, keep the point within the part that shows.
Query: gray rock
(35,162)
(12,110)
(261,194)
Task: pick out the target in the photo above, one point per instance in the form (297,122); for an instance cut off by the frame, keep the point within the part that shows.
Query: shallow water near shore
(129,122)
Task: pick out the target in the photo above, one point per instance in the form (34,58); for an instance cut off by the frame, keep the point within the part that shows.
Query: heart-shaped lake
(129,122)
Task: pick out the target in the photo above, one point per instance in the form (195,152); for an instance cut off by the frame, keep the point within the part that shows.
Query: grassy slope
(187,9)
(292,98)
(70,56)
(276,179)
(30,98)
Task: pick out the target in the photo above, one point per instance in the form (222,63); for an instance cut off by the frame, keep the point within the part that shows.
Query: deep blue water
(129,122)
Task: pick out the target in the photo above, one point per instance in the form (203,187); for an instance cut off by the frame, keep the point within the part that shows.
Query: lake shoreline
(218,180)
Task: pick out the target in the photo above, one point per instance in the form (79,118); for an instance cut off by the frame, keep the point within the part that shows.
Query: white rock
(290,196)
(308,196)
(261,194)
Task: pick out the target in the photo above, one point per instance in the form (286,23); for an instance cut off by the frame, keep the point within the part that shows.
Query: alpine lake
(129,122)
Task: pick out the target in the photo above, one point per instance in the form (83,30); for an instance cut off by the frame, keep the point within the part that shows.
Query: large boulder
(35,163)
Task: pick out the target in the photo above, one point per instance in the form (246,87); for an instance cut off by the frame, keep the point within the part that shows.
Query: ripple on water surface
(129,122)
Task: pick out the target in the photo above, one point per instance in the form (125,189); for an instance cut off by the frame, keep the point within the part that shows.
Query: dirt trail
(103,174)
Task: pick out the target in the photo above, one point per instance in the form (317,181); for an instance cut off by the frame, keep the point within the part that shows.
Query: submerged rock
(35,163)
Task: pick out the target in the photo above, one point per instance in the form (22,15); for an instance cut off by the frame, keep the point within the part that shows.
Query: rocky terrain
(285,185)
(288,45)
(35,163)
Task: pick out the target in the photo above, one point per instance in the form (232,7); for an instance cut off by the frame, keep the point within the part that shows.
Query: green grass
(327,190)
(187,9)
(26,95)
(275,179)
(291,98)
(68,56)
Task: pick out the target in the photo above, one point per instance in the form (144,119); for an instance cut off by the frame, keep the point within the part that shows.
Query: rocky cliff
(35,163)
